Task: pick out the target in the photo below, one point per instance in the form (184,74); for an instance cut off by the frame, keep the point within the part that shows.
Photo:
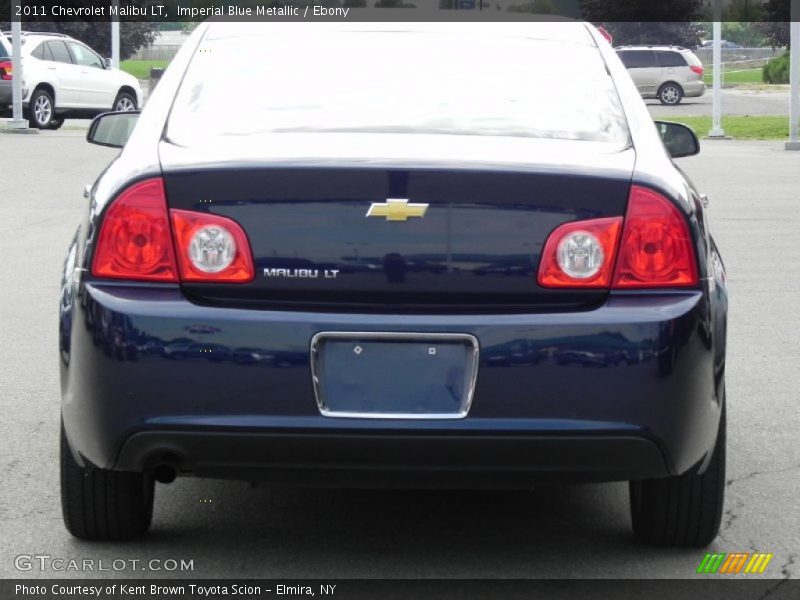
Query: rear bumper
(624,391)
(5,93)
(395,459)
(693,89)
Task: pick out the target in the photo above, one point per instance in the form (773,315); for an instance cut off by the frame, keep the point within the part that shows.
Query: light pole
(17,123)
(115,36)
(794,78)
(716,110)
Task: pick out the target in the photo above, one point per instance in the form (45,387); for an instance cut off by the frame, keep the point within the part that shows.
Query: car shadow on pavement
(230,529)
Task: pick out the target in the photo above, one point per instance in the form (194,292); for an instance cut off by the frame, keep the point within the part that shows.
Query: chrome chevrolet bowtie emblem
(395,209)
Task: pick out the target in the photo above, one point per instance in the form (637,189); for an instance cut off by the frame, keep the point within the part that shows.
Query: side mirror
(112,129)
(107,63)
(679,139)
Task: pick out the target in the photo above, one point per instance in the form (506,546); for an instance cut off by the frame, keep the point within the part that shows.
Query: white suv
(63,77)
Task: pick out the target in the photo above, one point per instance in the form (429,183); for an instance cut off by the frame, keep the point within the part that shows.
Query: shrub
(777,70)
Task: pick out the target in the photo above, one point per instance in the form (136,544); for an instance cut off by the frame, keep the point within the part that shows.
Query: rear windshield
(691,58)
(5,49)
(457,81)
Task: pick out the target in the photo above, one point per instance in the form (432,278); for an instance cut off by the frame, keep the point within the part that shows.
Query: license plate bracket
(394,375)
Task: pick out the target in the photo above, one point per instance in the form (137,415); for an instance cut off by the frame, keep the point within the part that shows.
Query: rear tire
(125,102)
(98,504)
(55,123)
(670,94)
(685,510)
(41,109)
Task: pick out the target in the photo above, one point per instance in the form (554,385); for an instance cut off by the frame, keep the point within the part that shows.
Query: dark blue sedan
(430,255)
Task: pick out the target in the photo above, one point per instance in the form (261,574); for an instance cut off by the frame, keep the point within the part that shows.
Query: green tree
(393,4)
(626,33)
(742,23)
(777,70)
(641,10)
(776,23)
(646,22)
(538,7)
(743,11)
(747,34)
(97,34)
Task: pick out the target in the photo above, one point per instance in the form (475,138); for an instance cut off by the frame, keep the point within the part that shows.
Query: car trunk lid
(397,221)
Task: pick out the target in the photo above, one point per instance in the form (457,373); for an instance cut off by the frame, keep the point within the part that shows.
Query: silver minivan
(668,73)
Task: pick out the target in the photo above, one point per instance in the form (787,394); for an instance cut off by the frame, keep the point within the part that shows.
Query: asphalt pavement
(735,101)
(229,529)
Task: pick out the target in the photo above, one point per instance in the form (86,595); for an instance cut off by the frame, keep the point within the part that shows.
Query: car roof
(35,37)
(673,48)
(563,32)
(51,34)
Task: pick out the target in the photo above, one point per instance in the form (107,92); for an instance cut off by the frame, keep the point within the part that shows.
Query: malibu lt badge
(302,273)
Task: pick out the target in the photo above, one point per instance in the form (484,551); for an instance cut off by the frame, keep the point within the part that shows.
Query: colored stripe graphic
(734,563)
(765,562)
(711,563)
(704,564)
(742,561)
(753,564)
(728,562)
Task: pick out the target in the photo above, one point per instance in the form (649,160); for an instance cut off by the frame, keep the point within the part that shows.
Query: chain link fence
(736,59)
(157,52)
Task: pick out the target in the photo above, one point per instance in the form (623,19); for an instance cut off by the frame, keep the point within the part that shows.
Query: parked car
(63,77)
(6,73)
(668,73)
(395,381)
(723,44)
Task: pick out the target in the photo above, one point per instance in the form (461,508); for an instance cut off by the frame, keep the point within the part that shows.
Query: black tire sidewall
(123,508)
(649,515)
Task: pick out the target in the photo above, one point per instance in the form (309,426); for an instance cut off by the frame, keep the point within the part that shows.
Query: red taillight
(211,248)
(604,32)
(656,247)
(696,69)
(580,254)
(6,70)
(135,241)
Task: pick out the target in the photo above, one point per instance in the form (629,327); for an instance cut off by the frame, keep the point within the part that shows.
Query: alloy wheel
(125,105)
(670,95)
(43,110)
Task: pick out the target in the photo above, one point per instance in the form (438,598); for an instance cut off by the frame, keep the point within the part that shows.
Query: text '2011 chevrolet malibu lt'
(393,265)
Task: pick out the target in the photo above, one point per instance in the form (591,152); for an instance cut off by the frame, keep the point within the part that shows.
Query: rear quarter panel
(656,169)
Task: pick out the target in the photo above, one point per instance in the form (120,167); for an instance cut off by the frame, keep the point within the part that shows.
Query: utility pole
(17,123)
(115,37)
(794,78)
(716,110)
